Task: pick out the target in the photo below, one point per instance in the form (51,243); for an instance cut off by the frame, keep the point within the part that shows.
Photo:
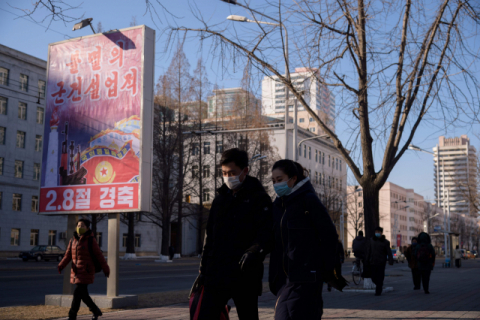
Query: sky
(414,170)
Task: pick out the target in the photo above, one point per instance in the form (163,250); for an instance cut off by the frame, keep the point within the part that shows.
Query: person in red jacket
(83,268)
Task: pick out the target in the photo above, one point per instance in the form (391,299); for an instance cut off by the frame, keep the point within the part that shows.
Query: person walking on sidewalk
(305,244)
(359,247)
(238,230)
(412,264)
(79,251)
(340,259)
(425,255)
(378,250)
(458,257)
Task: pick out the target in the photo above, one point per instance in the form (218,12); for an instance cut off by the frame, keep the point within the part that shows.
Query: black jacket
(424,248)
(378,249)
(305,239)
(236,224)
(359,247)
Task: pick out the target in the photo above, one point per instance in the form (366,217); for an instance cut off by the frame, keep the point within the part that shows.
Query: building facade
(455,175)
(320,99)
(232,102)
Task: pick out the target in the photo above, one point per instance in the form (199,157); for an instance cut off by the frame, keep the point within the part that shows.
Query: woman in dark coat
(425,257)
(305,242)
(83,267)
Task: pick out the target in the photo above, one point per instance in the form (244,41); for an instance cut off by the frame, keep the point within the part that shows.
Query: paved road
(455,294)
(27,283)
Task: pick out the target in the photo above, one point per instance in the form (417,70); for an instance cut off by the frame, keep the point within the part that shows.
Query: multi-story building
(455,174)
(317,96)
(232,102)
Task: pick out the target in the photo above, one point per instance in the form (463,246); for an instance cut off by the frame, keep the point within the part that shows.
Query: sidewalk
(455,294)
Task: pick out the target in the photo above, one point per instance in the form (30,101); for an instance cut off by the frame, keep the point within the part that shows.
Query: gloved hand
(106,273)
(247,260)
(59,270)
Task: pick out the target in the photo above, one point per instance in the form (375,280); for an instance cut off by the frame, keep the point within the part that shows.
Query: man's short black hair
(235,155)
(379,229)
(85,221)
(360,233)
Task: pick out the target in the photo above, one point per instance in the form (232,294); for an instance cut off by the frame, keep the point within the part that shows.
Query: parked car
(464,254)
(470,255)
(40,253)
(398,256)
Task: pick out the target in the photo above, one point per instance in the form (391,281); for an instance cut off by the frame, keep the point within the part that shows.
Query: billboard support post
(71,224)
(113,248)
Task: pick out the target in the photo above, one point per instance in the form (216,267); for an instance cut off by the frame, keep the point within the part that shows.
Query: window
(40,115)
(52,237)
(329,160)
(304,151)
(316,155)
(243,143)
(21,139)
(138,240)
(360,204)
(34,237)
(2,135)
(329,182)
(310,153)
(206,171)
(23,82)
(316,177)
(34,203)
(323,157)
(4,76)
(1,166)
(22,111)
(336,163)
(18,169)
(312,129)
(340,186)
(302,120)
(300,150)
(264,168)
(195,149)
(38,143)
(218,171)
(3,105)
(188,198)
(323,179)
(194,172)
(219,147)
(340,165)
(15,237)
(99,239)
(311,119)
(206,147)
(41,88)
(206,194)
(36,171)
(124,242)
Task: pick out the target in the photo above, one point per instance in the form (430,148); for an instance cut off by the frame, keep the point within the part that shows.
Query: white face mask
(233,182)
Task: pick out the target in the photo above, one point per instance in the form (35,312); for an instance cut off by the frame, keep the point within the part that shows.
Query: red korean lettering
(74,62)
(94,88)
(117,54)
(95,58)
(59,93)
(112,85)
(76,86)
(130,81)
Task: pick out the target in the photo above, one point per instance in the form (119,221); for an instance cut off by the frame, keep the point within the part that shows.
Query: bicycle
(357,271)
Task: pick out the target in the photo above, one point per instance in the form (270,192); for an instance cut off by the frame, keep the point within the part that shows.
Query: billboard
(97,152)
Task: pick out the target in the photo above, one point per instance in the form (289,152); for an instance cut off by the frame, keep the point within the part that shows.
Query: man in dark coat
(378,250)
(359,246)
(425,256)
(238,230)
(412,264)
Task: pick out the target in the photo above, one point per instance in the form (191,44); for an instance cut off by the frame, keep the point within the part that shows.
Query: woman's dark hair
(291,169)
(85,222)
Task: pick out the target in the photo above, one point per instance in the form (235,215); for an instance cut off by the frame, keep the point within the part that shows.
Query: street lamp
(287,73)
(83,24)
(295,156)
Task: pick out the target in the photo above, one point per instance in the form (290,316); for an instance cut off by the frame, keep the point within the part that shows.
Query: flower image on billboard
(98,124)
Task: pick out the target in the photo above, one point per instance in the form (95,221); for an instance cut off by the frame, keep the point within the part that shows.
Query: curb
(386,289)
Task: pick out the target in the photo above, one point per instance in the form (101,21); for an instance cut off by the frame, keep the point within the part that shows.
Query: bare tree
(354,213)
(99,27)
(392,63)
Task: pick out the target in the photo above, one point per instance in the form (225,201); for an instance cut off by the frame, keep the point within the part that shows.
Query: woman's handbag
(195,303)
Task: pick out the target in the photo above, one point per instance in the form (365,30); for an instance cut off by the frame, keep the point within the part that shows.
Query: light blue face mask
(282,188)
(378,235)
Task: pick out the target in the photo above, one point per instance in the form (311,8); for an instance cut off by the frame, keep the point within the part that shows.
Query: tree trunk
(371,210)
(131,233)
(165,236)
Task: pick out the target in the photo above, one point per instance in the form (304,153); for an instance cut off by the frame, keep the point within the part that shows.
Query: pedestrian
(305,245)
(412,264)
(458,257)
(339,260)
(238,230)
(83,251)
(348,254)
(359,246)
(378,251)
(425,256)
(171,252)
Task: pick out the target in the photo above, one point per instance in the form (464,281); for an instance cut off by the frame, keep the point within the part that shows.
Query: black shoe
(427,292)
(416,288)
(97,314)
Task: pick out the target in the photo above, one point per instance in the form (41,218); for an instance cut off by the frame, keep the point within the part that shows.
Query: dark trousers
(416,278)
(425,276)
(458,263)
(214,301)
(299,301)
(338,271)
(378,275)
(81,293)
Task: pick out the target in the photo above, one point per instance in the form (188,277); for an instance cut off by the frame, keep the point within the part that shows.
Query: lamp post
(287,73)
(297,146)
(83,24)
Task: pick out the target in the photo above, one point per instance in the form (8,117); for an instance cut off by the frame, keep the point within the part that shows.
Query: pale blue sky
(415,170)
